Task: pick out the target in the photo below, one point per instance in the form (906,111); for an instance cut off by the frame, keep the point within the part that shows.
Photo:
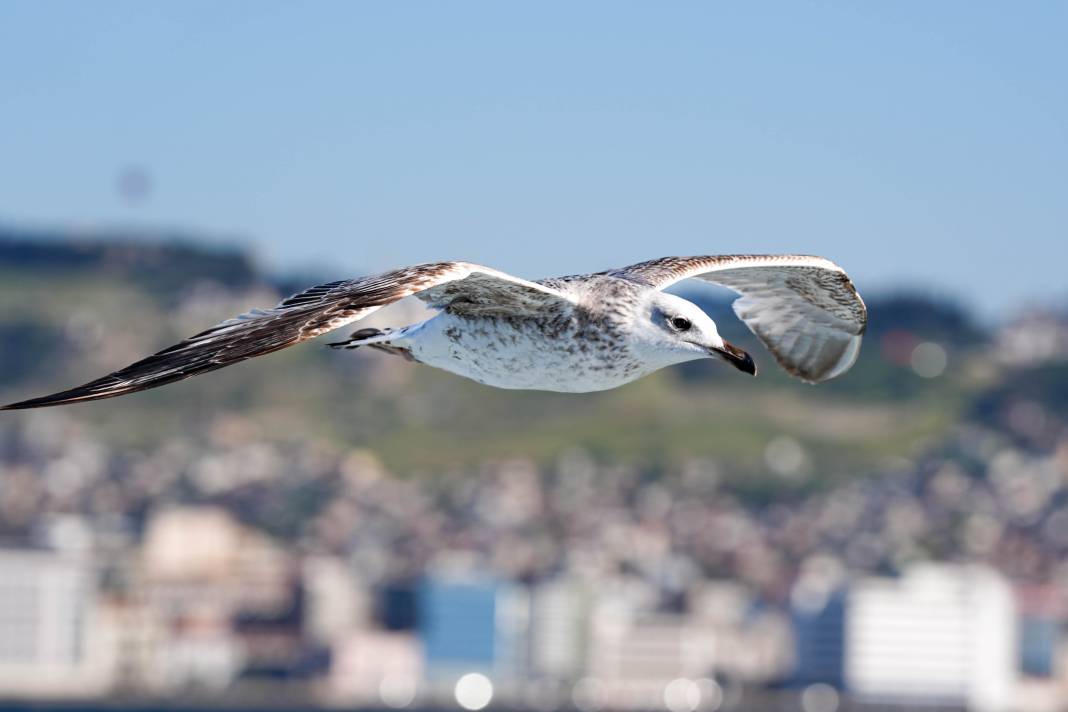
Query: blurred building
(636,651)
(754,643)
(634,658)
(473,625)
(819,638)
(940,634)
(336,604)
(54,640)
(1043,647)
(458,625)
(228,600)
(376,667)
(559,629)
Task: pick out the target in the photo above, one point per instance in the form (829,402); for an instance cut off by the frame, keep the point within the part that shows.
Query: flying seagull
(574,334)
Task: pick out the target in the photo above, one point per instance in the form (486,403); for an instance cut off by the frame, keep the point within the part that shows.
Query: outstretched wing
(315,311)
(804,309)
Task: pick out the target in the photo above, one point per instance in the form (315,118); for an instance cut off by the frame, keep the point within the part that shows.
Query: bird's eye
(680,323)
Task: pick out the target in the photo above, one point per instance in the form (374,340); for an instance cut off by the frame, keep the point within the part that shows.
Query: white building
(52,639)
(336,604)
(635,656)
(941,634)
(559,630)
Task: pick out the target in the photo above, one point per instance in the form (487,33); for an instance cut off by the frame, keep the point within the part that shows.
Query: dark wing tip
(33,403)
(42,402)
(95,390)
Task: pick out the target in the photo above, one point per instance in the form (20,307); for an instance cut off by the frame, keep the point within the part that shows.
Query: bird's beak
(735,357)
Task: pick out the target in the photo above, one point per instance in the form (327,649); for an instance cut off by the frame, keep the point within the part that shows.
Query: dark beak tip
(745,364)
(737,358)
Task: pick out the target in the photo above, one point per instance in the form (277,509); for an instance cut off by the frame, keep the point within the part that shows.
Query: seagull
(573,334)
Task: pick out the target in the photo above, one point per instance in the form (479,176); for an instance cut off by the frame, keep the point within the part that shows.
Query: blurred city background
(347,530)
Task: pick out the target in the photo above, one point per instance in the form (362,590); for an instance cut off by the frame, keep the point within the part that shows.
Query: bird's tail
(364,337)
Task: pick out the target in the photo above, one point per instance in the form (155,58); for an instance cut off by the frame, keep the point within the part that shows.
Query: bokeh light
(682,695)
(819,697)
(473,691)
(928,359)
(397,691)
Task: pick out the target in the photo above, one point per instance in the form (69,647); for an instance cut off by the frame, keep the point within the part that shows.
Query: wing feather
(315,311)
(804,309)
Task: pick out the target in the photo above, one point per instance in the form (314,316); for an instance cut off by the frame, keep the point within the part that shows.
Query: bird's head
(678,330)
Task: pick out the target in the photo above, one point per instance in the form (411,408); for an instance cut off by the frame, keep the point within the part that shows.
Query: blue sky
(915,143)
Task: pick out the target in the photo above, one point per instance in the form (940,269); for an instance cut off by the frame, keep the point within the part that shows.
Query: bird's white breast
(563,355)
